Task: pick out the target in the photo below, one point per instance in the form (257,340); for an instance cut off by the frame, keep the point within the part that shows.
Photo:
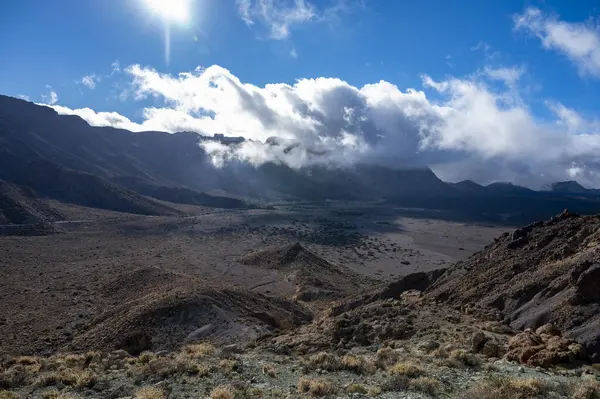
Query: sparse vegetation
(150,393)
(228,366)
(589,389)
(460,357)
(386,357)
(500,387)
(406,369)
(324,361)
(222,393)
(395,383)
(357,388)
(427,385)
(316,387)
(8,395)
(200,349)
(269,370)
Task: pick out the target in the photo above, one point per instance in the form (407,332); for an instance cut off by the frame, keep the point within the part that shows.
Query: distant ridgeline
(64,158)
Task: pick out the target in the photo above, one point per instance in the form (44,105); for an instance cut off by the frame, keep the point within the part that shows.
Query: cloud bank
(477,127)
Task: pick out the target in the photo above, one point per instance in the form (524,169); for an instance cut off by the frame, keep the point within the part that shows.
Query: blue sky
(539,60)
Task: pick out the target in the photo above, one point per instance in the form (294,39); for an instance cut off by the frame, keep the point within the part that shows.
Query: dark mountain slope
(18,205)
(174,167)
(51,181)
(547,272)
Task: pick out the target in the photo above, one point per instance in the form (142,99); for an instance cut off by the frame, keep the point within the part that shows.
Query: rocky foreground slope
(546,272)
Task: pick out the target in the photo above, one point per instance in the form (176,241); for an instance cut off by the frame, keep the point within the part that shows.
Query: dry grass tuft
(357,364)
(149,393)
(269,370)
(316,387)
(589,389)
(387,357)
(222,393)
(497,387)
(406,369)
(427,385)
(357,388)
(146,357)
(395,383)
(228,366)
(78,379)
(8,395)
(325,361)
(460,357)
(201,349)
(15,377)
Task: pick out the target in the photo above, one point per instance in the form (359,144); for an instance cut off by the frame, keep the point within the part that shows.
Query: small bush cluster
(316,387)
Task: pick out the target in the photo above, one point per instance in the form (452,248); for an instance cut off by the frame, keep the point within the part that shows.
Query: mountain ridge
(174,167)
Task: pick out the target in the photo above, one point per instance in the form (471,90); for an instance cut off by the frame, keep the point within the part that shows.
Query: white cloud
(293,53)
(476,129)
(50,98)
(510,76)
(88,81)
(278,17)
(23,97)
(580,42)
(115,67)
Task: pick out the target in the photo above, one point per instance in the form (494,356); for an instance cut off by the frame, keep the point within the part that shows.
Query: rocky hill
(314,277)
(546,272)
(18,205)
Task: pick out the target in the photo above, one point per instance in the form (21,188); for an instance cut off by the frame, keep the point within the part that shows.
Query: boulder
(477,341)
(543,350)
(548,329)
(588,283)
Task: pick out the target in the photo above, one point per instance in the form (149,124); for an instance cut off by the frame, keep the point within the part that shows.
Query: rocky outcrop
(544,347)
(546,272)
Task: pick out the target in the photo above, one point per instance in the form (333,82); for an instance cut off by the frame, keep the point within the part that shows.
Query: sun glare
(171,10)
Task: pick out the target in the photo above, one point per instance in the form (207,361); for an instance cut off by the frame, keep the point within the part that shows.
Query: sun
(171,10)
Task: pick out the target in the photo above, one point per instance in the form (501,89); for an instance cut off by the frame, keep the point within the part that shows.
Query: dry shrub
(15,377)
(396,383)
(8,395)
(325,361)
(149,393)
(222,393)
(200,349)
(499,387)
(161,367)
(316,387)
(588,389)
(386,357)
(357,364)
(406,369)
(228,366)
(146,357)
(427,385)
(27,360)
(76,378)
(269,370)
(374,391)
(462,357)
(357,388)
